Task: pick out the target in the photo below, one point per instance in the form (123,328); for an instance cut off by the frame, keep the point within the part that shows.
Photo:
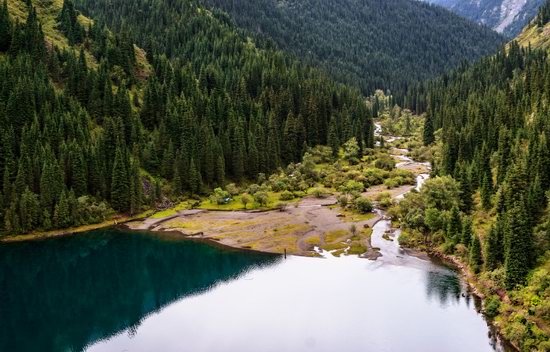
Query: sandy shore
(312,222)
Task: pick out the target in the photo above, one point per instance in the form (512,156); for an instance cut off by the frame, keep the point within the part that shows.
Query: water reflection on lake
(119,291)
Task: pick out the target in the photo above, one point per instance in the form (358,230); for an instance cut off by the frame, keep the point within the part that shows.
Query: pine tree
(454,227)
(428,134)
(120,184)
(333,141)
(486,193)
(467,232)
(493,247)
(475,260)
(62,215)
(6,28)
(78,168)
(518,246)
(466,190)
(195,181)
(220,171)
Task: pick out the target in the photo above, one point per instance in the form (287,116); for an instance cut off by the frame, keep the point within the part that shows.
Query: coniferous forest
(489,125)
(88,128)
(370,44)
(111,108)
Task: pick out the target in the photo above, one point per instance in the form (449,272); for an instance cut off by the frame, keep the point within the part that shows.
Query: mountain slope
(370,43)
(537,33)
(492,143)
(91,128)
(504,16)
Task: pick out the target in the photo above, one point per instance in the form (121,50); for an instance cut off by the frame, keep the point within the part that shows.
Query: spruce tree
(195,181)
(493,249)
(62,215)
(467,233)
(518,246)
(486,193)
(475,259)
(6,27)
(466,190)
(120,183)
(428,133)
(454,226)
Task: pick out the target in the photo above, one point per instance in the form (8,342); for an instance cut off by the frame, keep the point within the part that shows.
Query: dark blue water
(115,290)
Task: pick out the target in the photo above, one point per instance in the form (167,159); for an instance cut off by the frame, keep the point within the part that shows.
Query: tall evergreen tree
(475,260)
(518,246)
(120,184)
(6,27)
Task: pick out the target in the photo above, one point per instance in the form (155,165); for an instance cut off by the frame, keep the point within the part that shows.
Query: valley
(303,175)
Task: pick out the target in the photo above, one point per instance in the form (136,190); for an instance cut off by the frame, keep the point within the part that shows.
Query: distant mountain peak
(504,16)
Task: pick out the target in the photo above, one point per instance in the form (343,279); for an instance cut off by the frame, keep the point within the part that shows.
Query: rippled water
(114,290)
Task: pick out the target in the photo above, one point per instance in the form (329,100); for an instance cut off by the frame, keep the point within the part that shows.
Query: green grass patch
(356,248)
(335,246)
(334,236)
(172,211)
(352,216)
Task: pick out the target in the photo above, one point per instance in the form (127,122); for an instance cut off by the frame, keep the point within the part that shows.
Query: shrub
(318,193)
(286,195)
(363,205)
(220,197)
(279,186)
(232,189)
(253,188)
(343,200)
(391,183)
(353,187)
(261,198)
(492,306)
(375,177)
(385,162)
(245,199)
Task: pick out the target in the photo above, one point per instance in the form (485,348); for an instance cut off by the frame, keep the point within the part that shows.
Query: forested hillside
(88,127)
(372,44)
(490,125)
(535,35)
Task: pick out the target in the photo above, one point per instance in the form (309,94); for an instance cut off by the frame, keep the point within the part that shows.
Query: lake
(117,290)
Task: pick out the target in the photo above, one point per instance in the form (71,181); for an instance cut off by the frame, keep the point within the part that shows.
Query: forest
(370,44)
(488,125)
(97,127)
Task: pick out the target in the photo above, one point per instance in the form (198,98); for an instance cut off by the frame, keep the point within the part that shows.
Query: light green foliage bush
(374,176)
(353,187)
(246,199)
(492,306)
(286,195)
(351,151)
(232,189)
(220,197)
(261,198)
(385,162)
(363,205)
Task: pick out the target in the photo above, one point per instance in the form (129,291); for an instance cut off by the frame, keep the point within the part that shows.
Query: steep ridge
(504,16)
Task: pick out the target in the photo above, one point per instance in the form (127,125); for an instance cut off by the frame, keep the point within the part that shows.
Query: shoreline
(471,282)
(38,236)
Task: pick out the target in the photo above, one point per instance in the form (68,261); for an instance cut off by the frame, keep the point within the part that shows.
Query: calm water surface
(113,290)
